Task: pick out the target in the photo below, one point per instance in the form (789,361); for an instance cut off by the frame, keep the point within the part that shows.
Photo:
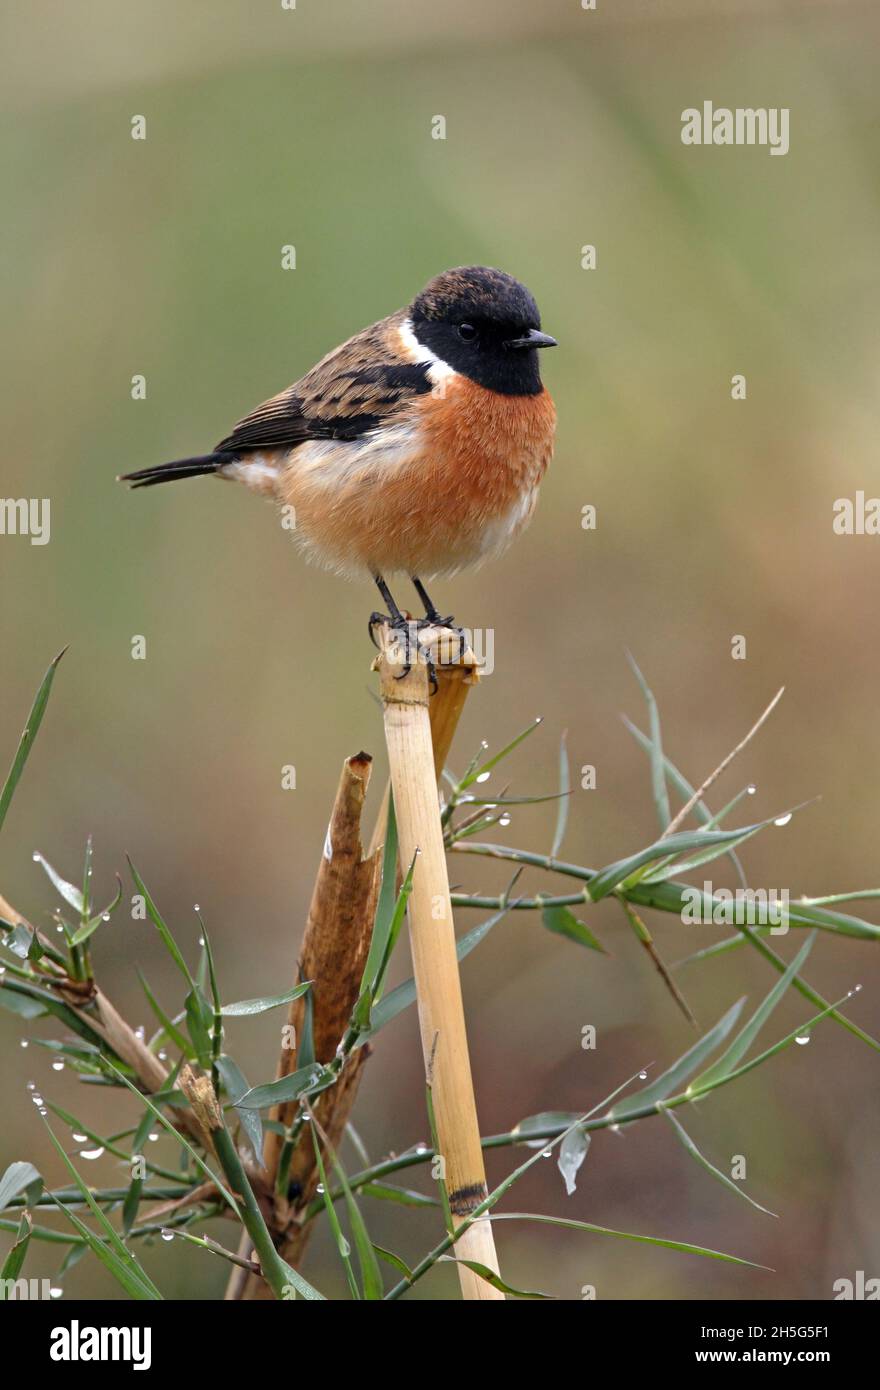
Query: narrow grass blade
(658,767)
(740,1045)
(700,1158)
(19,1177)
(170,944)
(68,891)
(478,773)
(680,1070)
(121,1261)
(342,1245)
(563,922)
(26,742)
(564,798)
(247,1008)
(684,1246)
(14,1262)
(494,1279)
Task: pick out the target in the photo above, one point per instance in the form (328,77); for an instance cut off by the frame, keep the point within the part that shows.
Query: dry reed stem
(408,734)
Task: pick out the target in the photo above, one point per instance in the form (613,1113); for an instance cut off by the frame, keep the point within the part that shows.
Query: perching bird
(417,446)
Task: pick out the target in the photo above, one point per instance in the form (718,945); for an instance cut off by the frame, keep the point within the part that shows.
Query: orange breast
(456,480)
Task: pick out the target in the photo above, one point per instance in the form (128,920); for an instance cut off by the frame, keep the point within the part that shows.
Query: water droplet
(105,916)
(43,1110)
(320,1188)
(80,1138)
(151,1138)
(344,1248)
(31,1086)
(484,776)
(59,928)
(504,820)
(201,941)
(548,1153)
(196,907)
(856,989)
(139,1032)
(167,1235)
(37,1099)
(643,1076)
(163,1055)
(751,789)
(90,1154)
(58,1066)
(783,820)
(36,857)
(55,1293)
(802,1039)
(24,1042)
(483,744)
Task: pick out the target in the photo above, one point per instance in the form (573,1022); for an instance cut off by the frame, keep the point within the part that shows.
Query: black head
(485,325)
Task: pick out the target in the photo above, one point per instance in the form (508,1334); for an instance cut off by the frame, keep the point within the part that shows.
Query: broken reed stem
(406,703)
(333,954)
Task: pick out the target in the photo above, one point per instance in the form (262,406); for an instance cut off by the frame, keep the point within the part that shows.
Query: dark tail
(170,472)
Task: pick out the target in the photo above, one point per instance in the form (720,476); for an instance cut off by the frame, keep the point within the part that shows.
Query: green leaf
(675,1075)
(26,743)
(474,776)
(170,944)
(725,1181)
(573,1225)
(686,791)
(140,1289)
(494,1279)
(133,1196)
(658,767)
(22,1004)
(85,931)
(199,1021)
(572,1152)
(68,891)
(390,1258)
(532,1130)
(168,1027)
(564,798)
(342,1245)
(111,1250)
(18,1178)
(245,1008)
(371,1275)
(611,877)
(236,1086)
(740,1045)
(12,1265)
(305,1081)
(563,922)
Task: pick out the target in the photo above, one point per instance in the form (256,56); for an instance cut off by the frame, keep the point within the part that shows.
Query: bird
(416,447)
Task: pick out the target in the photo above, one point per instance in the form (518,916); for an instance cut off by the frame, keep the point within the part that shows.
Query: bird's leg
(396,620)
(432,614)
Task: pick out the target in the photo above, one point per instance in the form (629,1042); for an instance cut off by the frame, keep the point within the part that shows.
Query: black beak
(533,339)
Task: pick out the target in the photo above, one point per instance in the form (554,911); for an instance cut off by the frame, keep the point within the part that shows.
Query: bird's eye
(467,332)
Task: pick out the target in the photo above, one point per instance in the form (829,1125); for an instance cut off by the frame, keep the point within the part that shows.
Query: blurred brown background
(162,257)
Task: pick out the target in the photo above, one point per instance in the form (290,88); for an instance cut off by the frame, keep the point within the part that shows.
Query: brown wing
(358,387)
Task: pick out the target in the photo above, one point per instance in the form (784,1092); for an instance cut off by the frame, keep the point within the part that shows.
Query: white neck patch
(414,351)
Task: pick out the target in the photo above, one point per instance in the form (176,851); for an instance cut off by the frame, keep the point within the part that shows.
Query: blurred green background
(267,127)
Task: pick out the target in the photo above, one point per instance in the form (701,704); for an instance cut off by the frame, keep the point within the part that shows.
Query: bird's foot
(406,648)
